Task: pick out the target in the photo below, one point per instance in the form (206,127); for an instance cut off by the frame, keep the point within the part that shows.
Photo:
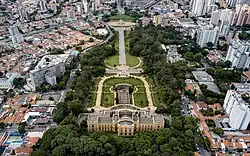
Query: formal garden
(139,92)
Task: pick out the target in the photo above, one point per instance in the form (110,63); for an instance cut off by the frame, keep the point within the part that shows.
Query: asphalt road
(185,112)
(185,104)
(122,55)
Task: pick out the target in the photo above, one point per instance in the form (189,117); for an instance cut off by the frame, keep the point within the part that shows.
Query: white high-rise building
(207,34)
(237,110)
(85,6)
(98,2)
(50,67)
(53,7)
(198,7)
(233,3)
(239,54)
(15,35)
(201,7)
(224,28)
(215,17)
(242,15)
(50,78)
(23,14)
(43,6)
(93,6)
(79,7)
(70,14)
(227,15)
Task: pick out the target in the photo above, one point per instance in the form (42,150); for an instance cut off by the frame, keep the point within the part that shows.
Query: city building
(157,19)
(227,15)
(224,28)
(233,3)
(43,5)
(242,15)
(126,120)
(93,6)
(204,78)
(85,6)
(202,7)
(238,54)
(237,109)
(7,82)
(23,14)
(70,14)
(50,78)
(173,55)
(215,17)
(79,7)
(199,7)
(48,69)
(15,35)
(207,34)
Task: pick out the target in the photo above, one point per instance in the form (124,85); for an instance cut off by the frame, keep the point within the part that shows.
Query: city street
(185,105)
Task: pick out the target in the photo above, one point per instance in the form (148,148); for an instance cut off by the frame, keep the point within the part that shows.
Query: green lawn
(107,99)
(121,17)
(141,89)
(131,61)
(155,99)
(96,82)
(107,88)
(112,60)
(141,99)
(117,80)
(92,100)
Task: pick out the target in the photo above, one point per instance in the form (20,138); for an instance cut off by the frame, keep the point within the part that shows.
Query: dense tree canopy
(68,140)
(146,43)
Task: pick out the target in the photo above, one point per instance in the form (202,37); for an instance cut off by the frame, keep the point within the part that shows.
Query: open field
(131,61)
(117,80)
(121,17)
(112,61)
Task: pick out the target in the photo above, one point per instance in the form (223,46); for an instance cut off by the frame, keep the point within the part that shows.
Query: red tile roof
(23,150)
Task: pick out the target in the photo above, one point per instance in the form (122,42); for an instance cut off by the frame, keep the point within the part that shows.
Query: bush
(218,131)
(210,123)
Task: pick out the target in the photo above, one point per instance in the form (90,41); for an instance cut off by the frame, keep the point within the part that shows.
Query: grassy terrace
(107,99)
(140,96)
(154,92)
(94,93)
(131,61)
(121,17)
(113,81)
(141,99)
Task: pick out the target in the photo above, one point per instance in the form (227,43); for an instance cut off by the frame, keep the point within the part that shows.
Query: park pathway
(122,54)
(99,94)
